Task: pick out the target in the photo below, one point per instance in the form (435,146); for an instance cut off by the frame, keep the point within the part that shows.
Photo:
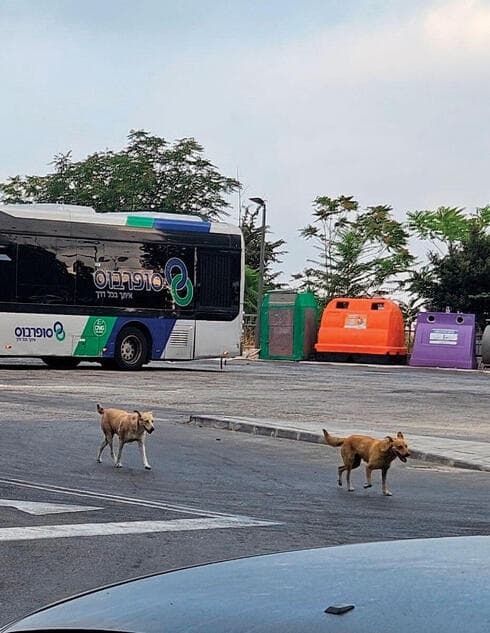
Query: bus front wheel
(131,349)
(60,362)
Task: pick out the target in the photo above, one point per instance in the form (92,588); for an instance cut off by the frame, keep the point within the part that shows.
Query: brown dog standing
(378,454)
(130,427)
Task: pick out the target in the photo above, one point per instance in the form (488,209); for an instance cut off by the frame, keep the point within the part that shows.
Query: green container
(289,325)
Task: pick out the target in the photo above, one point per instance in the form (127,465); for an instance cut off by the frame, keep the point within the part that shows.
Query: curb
(264,430)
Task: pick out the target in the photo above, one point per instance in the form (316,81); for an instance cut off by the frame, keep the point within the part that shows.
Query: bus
(121,289)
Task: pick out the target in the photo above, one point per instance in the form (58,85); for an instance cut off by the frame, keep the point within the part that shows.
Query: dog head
(399,446)
(145,421)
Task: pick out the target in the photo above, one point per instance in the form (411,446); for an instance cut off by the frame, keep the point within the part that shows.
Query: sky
(384,100)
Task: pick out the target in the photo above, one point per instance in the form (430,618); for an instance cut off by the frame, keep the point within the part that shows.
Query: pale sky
(385,100)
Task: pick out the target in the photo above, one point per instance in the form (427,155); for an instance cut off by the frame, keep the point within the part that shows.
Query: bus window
(45,270)
(122,275)
(218,281)
(8,256)
(90,256)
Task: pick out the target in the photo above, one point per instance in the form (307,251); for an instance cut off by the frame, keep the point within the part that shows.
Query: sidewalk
(449,452)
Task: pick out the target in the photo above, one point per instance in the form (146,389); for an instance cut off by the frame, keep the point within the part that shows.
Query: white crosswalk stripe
(35,507)
(207,520)
(126,527)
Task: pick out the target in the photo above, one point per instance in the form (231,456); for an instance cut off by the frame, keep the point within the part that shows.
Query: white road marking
(35,507)
(51,387)
(208,520)
(128,527)
(114,498)
(64,387)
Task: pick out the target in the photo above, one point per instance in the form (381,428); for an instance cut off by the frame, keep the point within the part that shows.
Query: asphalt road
(211,495)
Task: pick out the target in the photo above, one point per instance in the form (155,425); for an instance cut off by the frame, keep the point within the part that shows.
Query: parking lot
(445,403)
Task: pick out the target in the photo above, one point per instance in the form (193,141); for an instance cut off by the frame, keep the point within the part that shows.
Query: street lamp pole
(260,290)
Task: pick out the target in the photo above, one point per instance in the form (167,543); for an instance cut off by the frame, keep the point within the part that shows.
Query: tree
(251,290)
(460,279)
(447,227)
(455,275)
(272,255)
(150,173)
(361,253)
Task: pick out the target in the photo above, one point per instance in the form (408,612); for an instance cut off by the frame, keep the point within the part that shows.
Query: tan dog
(378,454)
(130,427)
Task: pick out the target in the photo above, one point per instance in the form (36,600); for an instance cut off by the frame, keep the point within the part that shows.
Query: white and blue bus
(118,288)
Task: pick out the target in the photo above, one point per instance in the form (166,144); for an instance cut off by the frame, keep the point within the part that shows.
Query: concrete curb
(252,428)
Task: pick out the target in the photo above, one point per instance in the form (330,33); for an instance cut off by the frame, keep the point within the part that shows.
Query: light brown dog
(130,427)
(378,454)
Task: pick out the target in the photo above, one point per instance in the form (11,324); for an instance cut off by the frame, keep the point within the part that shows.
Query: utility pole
(260,292)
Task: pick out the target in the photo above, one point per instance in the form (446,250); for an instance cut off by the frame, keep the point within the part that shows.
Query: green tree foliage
(251,290)
(460,279)
(150,173)
(251,227)
(447,227)
(457,272)
(361,253)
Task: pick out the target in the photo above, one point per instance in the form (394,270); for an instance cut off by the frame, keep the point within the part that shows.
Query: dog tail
(100,409)
(331,440)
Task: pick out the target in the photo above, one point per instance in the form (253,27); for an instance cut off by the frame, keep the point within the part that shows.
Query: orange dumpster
(351,329)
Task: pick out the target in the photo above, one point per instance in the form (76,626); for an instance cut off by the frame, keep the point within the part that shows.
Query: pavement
(469,454)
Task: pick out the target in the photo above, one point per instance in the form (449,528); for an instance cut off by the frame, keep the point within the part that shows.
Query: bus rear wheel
(131,349)
(60,362)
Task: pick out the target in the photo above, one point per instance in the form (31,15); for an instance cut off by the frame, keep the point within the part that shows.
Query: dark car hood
(400,586)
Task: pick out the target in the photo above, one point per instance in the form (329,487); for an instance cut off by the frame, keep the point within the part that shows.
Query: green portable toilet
(288,325)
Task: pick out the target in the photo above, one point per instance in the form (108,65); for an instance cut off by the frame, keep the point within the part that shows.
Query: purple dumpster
(444,339)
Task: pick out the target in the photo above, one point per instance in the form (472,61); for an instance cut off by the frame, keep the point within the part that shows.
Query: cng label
(95,335)
(99,327)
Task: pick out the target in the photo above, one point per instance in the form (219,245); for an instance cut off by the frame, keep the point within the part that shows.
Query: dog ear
(139,414)
(389,438)
(400,435)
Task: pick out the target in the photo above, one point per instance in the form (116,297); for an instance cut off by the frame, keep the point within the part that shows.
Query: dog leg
(369,472)
(341,470)
(108,440)
(102,446)
(349,486)
(143,454)
(112,450)
(119,454)
(386,492)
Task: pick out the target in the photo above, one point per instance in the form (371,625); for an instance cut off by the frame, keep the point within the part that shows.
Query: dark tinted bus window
(45,270)
(8,256)
(131,275)
(218,279)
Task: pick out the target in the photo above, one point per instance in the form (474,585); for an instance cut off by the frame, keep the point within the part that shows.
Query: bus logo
(32,333)
(121,283)
(128,280)
(99,327)
(59,332)
(177,278)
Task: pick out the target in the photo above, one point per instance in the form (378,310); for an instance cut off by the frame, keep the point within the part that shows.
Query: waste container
(288,325)
(360,329)
(444,339)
